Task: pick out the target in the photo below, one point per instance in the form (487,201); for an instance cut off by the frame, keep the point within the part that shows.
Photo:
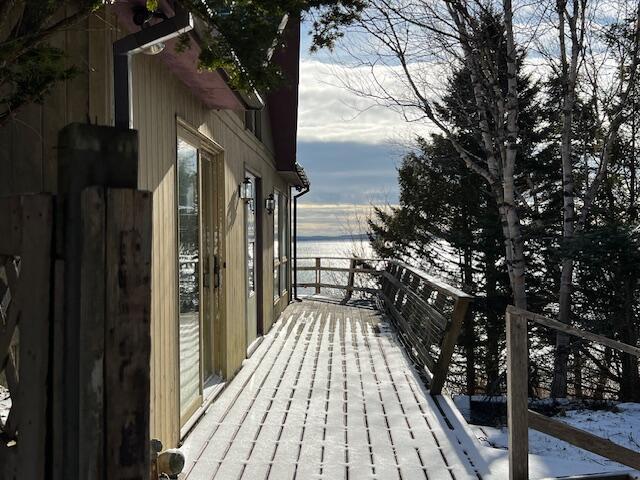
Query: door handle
(216,272)
(206,275)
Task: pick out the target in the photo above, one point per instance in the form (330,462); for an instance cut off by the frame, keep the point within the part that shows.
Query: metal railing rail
(428,314)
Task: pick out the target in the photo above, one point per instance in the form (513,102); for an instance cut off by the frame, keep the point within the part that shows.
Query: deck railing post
(448,345)
(318,275)
(517,395)
(350,280)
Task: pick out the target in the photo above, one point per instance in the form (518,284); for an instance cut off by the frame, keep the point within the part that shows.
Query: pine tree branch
(20,45)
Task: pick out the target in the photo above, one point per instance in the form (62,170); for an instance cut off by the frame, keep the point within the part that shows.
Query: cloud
(330,112)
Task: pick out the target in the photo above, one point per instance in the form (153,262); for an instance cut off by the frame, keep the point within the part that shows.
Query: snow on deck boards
(329,394)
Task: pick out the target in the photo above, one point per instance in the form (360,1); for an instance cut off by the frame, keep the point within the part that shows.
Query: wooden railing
(428,313)
(26,231)
(520,418)
(357,266)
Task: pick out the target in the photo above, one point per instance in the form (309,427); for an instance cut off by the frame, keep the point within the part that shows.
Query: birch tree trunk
(499,139)
(513,219)
(576,24)
(569,79)
(496,111)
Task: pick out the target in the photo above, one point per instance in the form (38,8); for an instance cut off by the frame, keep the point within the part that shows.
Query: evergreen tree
(447,220)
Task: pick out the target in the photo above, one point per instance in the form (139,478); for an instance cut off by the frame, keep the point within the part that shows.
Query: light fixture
(154,49)
(270,204)
(144,18)
(246,190)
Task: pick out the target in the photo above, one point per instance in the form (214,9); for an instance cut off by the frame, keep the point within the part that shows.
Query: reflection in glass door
(189,278)
(252,264)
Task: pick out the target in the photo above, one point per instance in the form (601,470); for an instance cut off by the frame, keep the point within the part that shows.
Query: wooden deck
(329,394)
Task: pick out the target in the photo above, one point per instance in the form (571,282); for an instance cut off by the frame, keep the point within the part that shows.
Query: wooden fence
(520,418)
(26,229)
(75,334)
(427,312)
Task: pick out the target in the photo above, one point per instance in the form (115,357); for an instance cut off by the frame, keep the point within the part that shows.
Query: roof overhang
(296,178)
(283,106)
(211,87)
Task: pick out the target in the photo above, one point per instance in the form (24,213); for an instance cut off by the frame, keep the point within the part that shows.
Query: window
(250,235)
(276,246)
(284,244)
(280,244)
(253,122)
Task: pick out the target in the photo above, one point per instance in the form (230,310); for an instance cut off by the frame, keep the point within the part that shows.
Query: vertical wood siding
(158,100)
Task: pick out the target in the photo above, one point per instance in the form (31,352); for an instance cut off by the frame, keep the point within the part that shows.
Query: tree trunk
(509,163)
(493,327)
(630,382)
(559,383)
(603,375)
(514,240)
(469,330)
(569,78)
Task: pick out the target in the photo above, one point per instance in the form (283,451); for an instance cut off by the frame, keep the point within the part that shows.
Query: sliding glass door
(189,278)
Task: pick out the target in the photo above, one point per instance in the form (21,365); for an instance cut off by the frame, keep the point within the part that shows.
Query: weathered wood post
(102,336)
(318,276)
(517,395)
(127,333)
(350,281)
(448,344)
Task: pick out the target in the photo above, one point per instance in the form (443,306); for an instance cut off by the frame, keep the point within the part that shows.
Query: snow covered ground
(550,457)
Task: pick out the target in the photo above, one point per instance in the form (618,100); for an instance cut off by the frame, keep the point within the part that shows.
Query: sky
(349,148)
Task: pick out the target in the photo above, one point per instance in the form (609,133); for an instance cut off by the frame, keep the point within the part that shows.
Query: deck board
(329,394)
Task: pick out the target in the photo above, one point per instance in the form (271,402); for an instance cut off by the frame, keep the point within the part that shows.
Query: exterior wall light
(270,204)
(154,49)
(143,18)
(246,190)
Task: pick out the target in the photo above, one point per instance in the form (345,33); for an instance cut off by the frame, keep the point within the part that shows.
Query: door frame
(217,348)
(259,256)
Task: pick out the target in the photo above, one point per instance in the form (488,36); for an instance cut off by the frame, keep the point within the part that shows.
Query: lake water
(309,249)
(334,248)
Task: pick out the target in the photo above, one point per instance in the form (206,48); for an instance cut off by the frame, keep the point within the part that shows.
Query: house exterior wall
(160,102)
(157,104)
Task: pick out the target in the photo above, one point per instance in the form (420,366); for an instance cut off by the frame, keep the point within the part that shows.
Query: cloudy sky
(349,148)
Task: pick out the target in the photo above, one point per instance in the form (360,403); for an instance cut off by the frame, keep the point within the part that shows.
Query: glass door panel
(189,277)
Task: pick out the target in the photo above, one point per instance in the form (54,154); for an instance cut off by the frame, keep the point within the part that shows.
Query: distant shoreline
(326,238)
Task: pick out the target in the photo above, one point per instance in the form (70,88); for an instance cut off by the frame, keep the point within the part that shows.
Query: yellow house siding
(159,99)
(29,164)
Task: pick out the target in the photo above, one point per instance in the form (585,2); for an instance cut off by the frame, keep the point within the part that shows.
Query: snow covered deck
(329,394)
